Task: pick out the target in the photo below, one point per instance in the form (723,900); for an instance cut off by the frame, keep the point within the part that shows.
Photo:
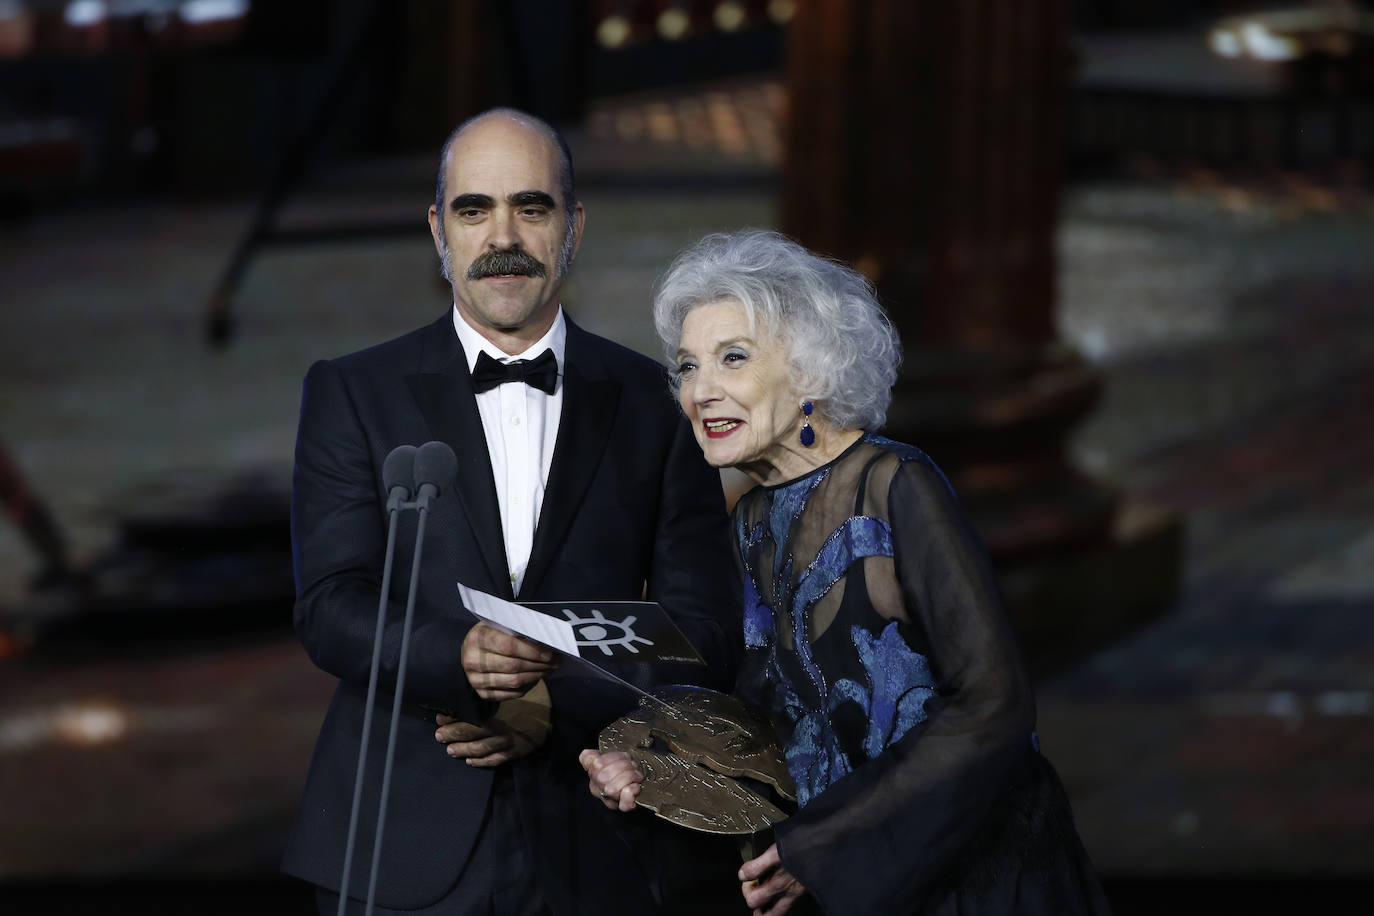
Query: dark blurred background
(1127,243)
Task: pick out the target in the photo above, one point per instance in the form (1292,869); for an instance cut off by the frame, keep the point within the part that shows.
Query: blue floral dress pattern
(895,681)
(877,646)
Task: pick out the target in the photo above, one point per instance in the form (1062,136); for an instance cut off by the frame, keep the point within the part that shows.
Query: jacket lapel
(443,390)
(589,405)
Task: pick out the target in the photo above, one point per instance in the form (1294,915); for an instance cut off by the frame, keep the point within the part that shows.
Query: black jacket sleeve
(338,538)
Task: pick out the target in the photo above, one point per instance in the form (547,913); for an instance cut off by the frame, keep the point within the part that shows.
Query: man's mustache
(511,262)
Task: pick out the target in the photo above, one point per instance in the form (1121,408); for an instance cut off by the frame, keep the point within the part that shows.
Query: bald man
(578,479)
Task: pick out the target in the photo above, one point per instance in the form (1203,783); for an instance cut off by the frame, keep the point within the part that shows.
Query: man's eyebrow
(538,198)
(463,201)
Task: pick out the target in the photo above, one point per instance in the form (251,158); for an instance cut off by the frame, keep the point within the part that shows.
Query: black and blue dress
(878,645)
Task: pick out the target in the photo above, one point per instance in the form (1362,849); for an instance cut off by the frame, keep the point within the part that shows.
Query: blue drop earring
(808,435)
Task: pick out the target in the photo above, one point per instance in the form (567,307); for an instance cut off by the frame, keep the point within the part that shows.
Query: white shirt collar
(555,339)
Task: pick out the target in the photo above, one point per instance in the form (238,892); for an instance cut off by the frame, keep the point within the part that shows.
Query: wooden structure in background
(925,146)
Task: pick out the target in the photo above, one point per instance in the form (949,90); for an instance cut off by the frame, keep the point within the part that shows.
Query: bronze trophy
(698,750)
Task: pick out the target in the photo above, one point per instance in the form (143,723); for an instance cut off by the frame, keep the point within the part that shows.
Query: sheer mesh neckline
(820,467)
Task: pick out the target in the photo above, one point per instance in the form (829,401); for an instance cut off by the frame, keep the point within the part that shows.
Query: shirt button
(514,421)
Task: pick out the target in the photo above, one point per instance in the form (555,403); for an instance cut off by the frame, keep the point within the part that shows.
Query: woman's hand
(614,778)
(768,888)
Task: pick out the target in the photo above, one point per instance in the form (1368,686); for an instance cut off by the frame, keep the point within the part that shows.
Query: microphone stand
(397,474)
(430,463)
(422,504)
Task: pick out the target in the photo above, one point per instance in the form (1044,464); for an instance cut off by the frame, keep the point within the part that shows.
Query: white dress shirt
(521,426)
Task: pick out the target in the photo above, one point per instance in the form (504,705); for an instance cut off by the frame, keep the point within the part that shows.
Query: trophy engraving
(696,749)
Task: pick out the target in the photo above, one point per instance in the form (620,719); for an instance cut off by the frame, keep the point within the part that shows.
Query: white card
(521,621)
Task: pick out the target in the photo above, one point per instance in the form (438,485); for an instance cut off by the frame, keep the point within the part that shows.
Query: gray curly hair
(842,348)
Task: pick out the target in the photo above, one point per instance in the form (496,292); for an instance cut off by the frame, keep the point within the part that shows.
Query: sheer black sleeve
(879,839)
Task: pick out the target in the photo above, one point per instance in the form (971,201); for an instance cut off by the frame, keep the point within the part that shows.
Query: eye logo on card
(638,632)
(600,631)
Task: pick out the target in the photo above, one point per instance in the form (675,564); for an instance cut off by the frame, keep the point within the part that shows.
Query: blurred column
(449,62)
(924,146)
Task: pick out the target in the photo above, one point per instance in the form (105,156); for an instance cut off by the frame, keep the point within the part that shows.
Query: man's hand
(768,888)
(518,727)
(500,666)
(614,778)
(479,745)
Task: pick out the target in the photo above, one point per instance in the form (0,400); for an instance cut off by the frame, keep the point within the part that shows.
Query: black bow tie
(540,372)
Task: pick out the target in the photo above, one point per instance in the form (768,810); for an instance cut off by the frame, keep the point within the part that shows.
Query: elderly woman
(876,641)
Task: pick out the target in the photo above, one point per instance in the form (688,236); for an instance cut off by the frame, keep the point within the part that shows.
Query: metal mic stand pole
(395,472)
(423,506)
(434,464)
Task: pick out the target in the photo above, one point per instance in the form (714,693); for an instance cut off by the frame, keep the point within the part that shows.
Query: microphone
(398,476)
(435,468)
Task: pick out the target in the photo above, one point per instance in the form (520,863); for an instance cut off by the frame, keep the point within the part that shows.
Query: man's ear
(436,230)
(579,220)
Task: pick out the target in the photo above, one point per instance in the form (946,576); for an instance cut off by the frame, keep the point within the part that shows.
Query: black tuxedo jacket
(630,511)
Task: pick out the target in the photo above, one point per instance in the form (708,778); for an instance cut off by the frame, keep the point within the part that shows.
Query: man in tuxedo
(578,479)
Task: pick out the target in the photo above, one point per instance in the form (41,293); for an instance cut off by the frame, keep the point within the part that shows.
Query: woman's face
(736,390)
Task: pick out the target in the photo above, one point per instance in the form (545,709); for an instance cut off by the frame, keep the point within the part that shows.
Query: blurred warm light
(725,122)
(729,16)
(782,11)
(84,13)
(663,127)
(737,120)
(1253,39)
(74,724)
(613,31)
(674,23)
(200,12)
(1283,35)
(1224,42)
(89,724)
(1265,45)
